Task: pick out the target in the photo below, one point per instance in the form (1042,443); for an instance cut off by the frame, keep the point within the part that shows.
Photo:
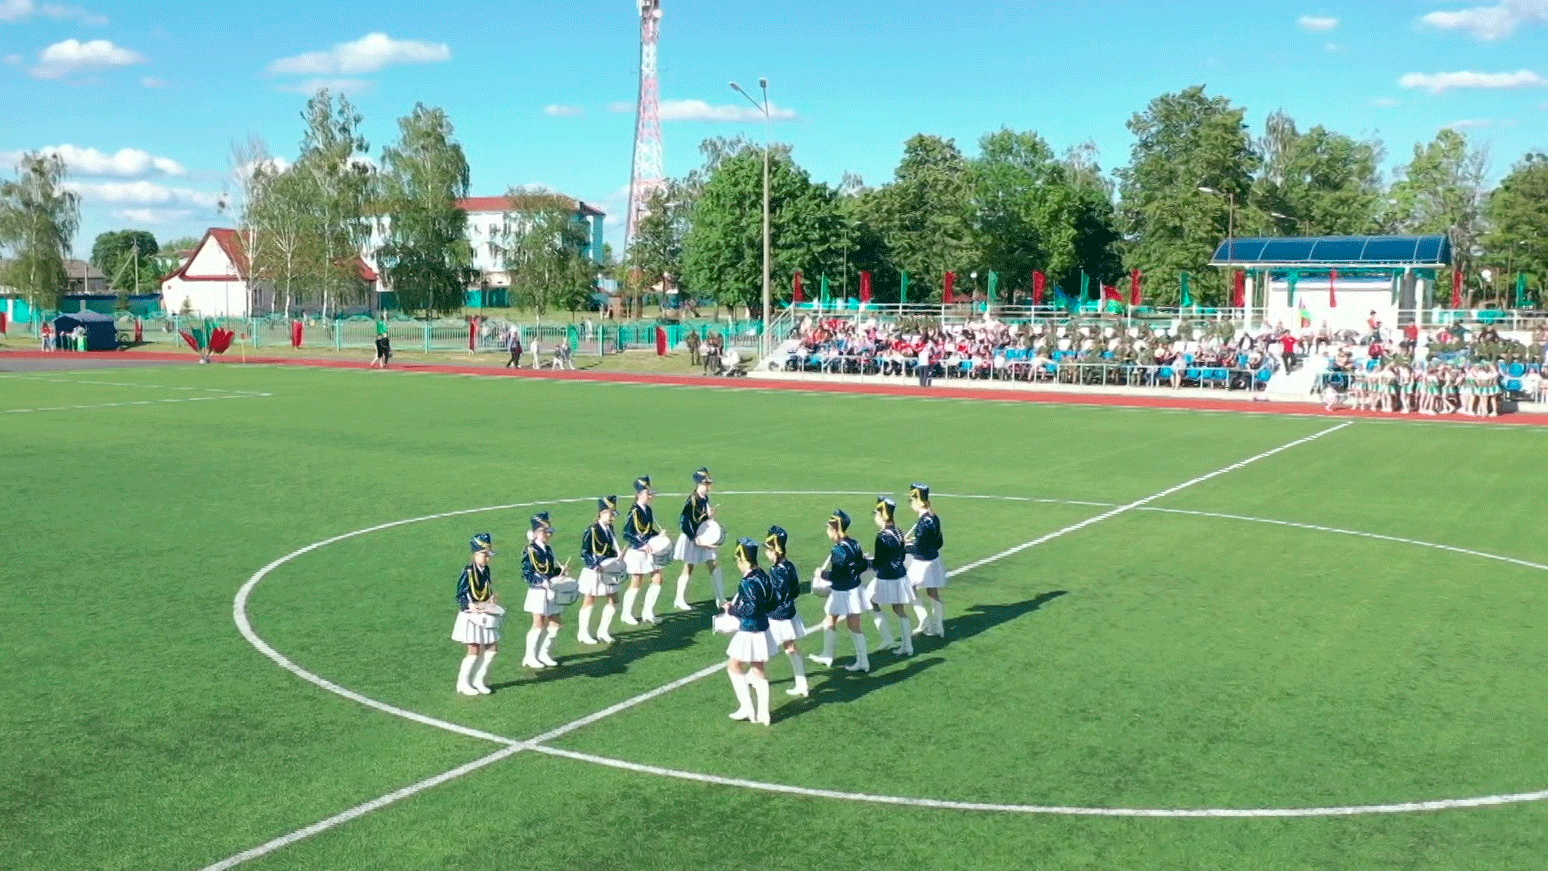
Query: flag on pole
(1134,288)
(903,289)
(1456,287)
(1112,300)
(1039,284)
(1291,278)
(1521,293)
(951,282)
(994,284)
(1085,285)
(824,289)
(1397,287)
(1332,288)
(1239,289)
(1187,295)
(1065,301)
(865,287)
(799,296)
(1305,314)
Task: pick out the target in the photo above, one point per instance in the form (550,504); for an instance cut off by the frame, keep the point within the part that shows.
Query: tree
(723,248)
(545,252)
(656,251)
(925,213)
(333,159)
(1441,191)
(1317,183)
(129,260)
(1185,141)
(279,223)
(38,221)
(1517,210)
(426,256)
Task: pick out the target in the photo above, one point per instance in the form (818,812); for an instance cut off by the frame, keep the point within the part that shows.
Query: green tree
(1441,191)
(1517,210)
(1185,141)
(333,159)
(280,223)
(656,251)
(129,259)
(426,256)
(39,217)
(545,252)
(1317,183)
(723,248)
(925,214)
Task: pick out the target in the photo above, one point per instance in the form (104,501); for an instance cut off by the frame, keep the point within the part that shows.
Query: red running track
(1030,394)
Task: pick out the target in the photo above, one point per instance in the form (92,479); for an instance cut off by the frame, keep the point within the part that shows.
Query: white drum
(613,566)
(563,591)
(711,534)
(491,616)
(725,624)
(821,587)
(659,546)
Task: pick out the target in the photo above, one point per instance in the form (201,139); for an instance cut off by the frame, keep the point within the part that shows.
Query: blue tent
(101,331)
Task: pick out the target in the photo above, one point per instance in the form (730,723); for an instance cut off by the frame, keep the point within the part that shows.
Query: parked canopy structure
(1335,252)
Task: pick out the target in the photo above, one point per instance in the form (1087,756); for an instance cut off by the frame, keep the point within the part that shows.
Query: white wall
(1357,298)
(226,296)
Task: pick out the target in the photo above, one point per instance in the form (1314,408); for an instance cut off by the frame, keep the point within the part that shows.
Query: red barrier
(295,334)
(2,323)
(661,342)
(139,332)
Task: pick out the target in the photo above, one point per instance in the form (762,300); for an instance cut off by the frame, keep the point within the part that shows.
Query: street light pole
(768,145)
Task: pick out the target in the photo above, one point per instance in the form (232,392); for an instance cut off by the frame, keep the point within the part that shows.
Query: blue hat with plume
(482,543)
(747,549)
(839,519)
(607,503)
(887,508)
(642,484)
(777,539)
(702,476)
(540,522)
(919,491)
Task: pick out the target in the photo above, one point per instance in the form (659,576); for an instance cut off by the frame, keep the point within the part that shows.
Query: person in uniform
(539,568)
(925,572)
(890,586)
(599,545)
(475,598)
(785,625)
(748,654)
(639,529)
(846,563)
(696,511)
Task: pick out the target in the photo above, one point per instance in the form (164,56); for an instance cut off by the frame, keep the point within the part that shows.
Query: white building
(215,281)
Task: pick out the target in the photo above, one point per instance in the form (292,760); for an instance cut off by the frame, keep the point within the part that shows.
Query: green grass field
(1149,690)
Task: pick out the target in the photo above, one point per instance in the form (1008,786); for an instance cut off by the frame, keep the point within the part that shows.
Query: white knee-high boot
(648,613)
(682,590)
(482,672)
(939,609)
(547,644)
(464,673)
(719,578)
(921,617)
(879,619)
(534,635)
(760,692)
(605,628)
(583,626)
(798,665)
(628,605)
(744,709)
(829,638)
(906,631)
(862,656)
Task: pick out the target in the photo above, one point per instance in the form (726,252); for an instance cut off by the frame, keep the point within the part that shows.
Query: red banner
(798,295)
(220,340)
(865,287)
(951,282)
(661,341)
(139,331)
(472,334)
(1332,290)
(1110,292)
(3,323)
(295,334)
(1456,288)
(1134,288)
(1039,284)
(1239,289)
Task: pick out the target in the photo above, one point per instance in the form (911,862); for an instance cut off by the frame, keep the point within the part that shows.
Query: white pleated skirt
(750,646)
(687,550)
(842,603)
(925,575)
(890,591)
(787,630)
(466,631)
(594,583)
(639,562)
(537,602)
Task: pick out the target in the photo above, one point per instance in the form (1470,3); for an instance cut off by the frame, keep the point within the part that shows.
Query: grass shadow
(978,619)
(674,630)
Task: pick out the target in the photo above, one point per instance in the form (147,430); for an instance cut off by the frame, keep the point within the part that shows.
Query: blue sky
(146,99)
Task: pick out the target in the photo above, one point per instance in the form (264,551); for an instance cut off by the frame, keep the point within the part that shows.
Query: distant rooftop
(506,204)
(1332,252)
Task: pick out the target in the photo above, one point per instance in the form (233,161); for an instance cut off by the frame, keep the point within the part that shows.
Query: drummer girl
(890,586)
(846,601)
(785,626)
(925,572)
(599,549)
(539,568)
(639,529)
(697,512)
(475,600)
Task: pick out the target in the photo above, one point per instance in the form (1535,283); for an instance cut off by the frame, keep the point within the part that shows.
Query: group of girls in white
(1472,389)
(762,618)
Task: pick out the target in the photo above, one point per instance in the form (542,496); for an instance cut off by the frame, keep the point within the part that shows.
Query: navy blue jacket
(848,563)
(924,541)
(598,543)
(787,586)
(695,512)
(640,527)
(754,600)
(538,564)
(474,586)
(887,560)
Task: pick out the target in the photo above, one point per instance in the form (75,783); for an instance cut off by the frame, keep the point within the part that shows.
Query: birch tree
(39,218)
(426,256)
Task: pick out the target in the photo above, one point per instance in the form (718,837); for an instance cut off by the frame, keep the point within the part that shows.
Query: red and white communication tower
(649,167)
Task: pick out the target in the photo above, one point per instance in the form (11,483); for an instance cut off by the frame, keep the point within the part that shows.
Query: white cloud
(142,193)
(333,86)
(16,10)
(1317,22)
(367,54)
(72,55)
(1332,46)
(1437,83)
(1479,123)
(1489,23)
(153,216)
(1385,102)
(272,164)
(153,82)
(124,163)
(699,110)
(15,60)
(563,111)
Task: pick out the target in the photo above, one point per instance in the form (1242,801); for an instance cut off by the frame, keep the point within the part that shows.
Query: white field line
(23,377)
(131,402)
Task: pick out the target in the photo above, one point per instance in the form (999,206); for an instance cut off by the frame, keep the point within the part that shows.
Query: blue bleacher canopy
(1333,252)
